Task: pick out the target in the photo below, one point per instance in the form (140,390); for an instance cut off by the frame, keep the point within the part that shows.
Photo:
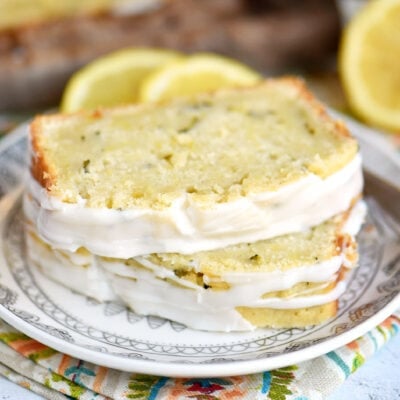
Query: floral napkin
(57,376)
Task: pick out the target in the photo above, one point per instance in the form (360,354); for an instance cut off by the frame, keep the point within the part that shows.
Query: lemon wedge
(113,79)
(369,63)
(202,72)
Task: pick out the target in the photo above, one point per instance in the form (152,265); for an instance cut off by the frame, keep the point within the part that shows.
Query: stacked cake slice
(226,211)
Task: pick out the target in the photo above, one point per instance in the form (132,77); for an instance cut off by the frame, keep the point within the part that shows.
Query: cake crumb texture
(281,253)
(289,318)
(212,148)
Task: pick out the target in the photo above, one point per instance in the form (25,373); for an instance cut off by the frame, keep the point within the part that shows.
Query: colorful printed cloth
(57,376)
(54,375)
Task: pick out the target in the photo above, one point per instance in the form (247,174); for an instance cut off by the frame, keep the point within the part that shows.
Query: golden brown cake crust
(40,169)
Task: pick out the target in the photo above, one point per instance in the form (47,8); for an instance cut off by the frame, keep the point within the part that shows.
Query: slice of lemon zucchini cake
(236,166)
(221,199)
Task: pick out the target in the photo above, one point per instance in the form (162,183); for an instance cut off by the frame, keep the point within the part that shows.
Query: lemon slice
(199,73)
(370,63)
(113,79)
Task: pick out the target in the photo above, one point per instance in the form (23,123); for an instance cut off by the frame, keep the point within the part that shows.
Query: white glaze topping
(197,299)
(187,228)
(352,224)
(80,273)
(145,289)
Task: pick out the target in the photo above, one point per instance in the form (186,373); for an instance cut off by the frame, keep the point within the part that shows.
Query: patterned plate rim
(181,369)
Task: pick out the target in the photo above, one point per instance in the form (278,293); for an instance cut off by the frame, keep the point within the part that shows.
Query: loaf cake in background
(39,51)
(225,211)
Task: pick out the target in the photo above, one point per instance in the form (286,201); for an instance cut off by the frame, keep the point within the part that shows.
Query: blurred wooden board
(272,36)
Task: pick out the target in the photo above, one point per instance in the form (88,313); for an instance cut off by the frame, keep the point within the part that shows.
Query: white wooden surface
(11,391)
(378,379)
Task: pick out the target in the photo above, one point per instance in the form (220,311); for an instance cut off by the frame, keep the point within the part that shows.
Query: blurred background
(42,42)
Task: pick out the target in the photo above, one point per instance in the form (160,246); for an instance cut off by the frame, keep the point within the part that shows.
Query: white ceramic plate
(110,335)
